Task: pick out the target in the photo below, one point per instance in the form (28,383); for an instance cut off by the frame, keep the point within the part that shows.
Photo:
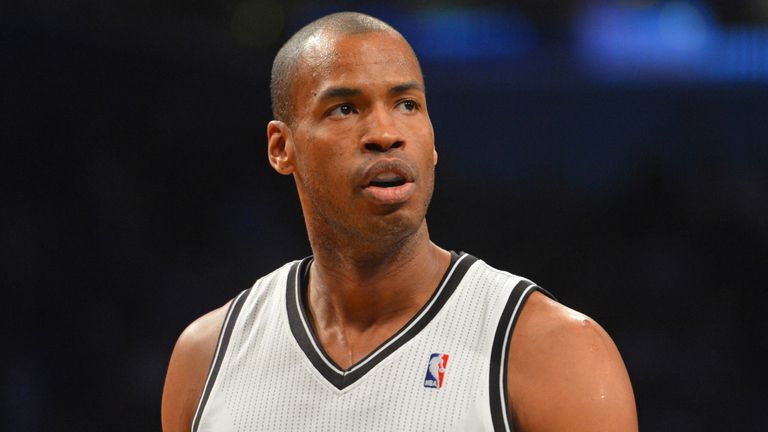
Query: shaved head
(288,59)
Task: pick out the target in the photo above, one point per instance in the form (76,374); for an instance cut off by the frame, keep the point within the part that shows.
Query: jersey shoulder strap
(500,415)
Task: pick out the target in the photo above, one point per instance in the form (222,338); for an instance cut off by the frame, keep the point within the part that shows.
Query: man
(381,329)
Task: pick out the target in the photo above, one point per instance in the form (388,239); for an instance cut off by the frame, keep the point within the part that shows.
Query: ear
(280,147)
(434,156)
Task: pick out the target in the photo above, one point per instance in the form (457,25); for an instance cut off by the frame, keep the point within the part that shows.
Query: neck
(378,283)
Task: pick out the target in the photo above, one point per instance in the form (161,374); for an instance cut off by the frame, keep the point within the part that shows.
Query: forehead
(350,59)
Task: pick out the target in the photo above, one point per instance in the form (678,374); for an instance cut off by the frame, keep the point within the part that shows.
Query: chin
(394,226)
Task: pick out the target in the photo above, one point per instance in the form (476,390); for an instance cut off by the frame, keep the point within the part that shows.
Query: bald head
(288,59)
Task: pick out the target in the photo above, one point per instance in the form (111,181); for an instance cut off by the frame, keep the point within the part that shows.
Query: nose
(381,132)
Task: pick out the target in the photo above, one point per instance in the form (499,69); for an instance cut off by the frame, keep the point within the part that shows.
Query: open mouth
(388,182)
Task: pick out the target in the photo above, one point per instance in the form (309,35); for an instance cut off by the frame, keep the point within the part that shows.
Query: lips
(388,181)
(386,171)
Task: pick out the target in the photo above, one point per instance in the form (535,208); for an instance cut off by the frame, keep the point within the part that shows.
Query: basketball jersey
(445,370)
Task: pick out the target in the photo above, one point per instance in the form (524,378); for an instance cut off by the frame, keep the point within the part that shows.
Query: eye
(408,105)
(342,110)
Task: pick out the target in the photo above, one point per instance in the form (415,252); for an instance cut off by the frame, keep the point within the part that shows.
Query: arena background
(614,152)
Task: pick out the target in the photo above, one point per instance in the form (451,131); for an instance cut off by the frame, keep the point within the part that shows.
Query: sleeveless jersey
(445,370)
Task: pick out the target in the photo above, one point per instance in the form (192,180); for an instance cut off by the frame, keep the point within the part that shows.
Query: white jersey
(445,370)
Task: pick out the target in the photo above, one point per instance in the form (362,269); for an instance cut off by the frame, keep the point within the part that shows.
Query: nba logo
(436,370)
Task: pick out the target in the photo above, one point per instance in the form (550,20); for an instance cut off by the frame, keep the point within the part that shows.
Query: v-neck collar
(304,334)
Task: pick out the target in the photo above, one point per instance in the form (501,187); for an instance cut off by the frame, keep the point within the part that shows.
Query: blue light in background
(621,40)
(742,55)
(677,41)
(456,35)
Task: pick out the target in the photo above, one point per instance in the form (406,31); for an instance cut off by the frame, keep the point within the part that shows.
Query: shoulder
(565,373)
(188,369)
(194,350)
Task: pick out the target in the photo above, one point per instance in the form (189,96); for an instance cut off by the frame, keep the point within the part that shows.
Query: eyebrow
(345,92)
(405,87)
(339,92)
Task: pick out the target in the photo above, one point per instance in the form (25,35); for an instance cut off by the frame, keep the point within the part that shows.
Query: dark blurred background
(614,152)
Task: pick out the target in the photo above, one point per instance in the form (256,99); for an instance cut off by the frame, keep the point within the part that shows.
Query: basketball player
(381,329)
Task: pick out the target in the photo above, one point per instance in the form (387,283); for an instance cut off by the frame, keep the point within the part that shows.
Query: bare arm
(188,370)
(565,373)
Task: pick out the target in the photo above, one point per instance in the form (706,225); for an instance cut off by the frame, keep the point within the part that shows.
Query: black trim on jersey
(500,413)
(305,335)
(221,348)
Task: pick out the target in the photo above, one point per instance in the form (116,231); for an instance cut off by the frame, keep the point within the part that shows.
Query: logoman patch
(436,370)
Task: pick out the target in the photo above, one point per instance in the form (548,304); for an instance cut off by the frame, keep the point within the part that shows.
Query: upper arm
(565,373)
(188,370)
